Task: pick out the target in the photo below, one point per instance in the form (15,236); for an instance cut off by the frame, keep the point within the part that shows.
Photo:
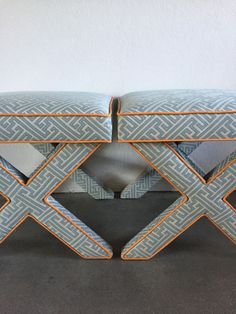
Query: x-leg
(33,199)
(199,198)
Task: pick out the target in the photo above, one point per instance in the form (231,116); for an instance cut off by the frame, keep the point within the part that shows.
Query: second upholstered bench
(76,123)
(154,123)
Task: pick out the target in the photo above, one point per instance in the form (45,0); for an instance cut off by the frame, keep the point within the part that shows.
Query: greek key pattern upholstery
(54,129)
(150,177)
(199,198)
(188,147)
(33,199)
(177,115)
(48,103)
(85,182)
(55,117)
(177,127)
(178,101)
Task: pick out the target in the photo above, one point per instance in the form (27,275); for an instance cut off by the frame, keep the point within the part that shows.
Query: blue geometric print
(179,101)
(33,200)
(55,117)
(48,103)
(177,115)
(145,120)
(150,177)
(84,181)
(199,198)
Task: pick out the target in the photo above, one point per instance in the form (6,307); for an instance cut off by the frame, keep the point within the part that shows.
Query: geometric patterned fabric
(150,177)
(84,181)
(55,117)
(175,115)
(33,199)
(148,120)
(200,197)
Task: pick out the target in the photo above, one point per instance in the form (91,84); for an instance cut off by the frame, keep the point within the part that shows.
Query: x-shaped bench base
(32,199)
(199,198)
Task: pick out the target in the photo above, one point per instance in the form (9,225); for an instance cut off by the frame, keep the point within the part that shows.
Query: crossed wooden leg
(199,198)
(33,199)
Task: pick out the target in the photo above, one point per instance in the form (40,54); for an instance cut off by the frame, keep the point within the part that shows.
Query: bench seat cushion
(55,117)
(177,115)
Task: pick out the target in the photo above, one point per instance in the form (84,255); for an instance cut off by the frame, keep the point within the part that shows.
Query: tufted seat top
(55,117)
(177,115)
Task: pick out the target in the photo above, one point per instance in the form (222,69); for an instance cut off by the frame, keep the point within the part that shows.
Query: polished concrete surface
(195,274)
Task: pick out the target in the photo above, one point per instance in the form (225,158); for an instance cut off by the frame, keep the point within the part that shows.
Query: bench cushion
(176,115)
(55,117)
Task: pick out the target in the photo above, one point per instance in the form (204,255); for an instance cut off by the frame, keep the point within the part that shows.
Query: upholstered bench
(154,123)
(77,124)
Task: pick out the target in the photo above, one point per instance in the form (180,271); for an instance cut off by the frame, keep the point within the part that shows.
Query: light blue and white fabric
(149,119)
(176,115)
(55,116)
(52,117)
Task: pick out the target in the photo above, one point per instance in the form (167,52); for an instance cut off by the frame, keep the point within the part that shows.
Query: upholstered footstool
(77,124)
(154,123)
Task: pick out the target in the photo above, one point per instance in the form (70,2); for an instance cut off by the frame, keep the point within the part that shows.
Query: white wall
(117,46)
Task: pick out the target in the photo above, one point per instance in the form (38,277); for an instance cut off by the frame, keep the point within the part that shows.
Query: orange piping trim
(58,141)
(176,140)
(172,113)
(54,115)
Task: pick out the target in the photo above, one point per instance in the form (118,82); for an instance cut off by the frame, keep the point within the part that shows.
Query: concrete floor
(195,274)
